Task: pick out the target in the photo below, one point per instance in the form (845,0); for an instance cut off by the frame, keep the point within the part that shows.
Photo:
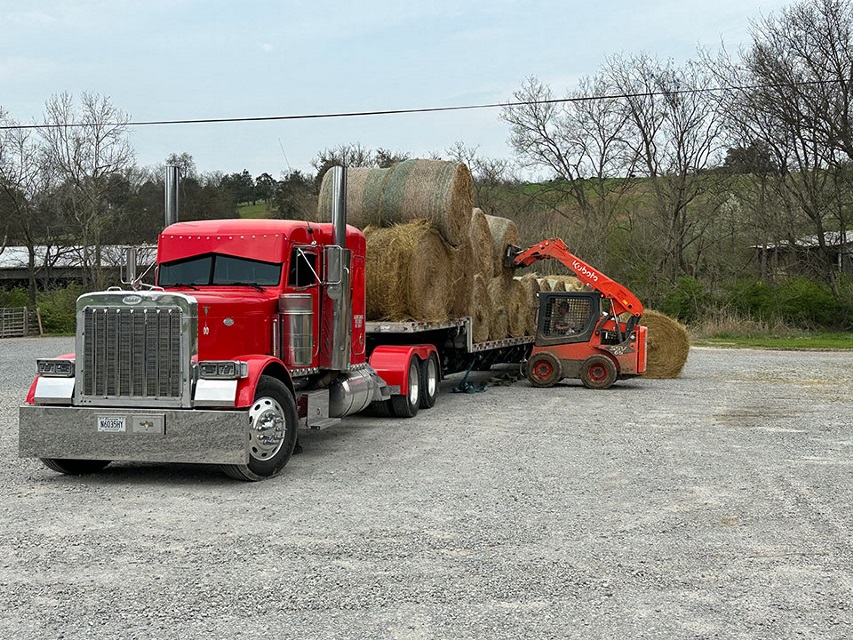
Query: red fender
(259,364)
(391,362)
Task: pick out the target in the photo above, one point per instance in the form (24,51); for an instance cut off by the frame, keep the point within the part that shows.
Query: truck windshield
(213,269)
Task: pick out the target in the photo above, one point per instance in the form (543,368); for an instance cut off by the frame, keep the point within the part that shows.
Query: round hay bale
(571,283)
(462,285)
(668,345)
(481,243)
(557,285)
(481,309)
(436,190)
(364,196)
(503,232)
(530,281)
(499,324)
(409,274)
(544,284)
(518,308)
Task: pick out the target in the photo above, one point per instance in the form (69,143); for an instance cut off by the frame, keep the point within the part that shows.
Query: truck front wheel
(75,467)
(272,432)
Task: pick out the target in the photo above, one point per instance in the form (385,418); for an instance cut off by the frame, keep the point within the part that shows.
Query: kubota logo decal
(589,273)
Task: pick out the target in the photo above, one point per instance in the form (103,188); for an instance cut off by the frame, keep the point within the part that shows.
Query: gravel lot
(717,505)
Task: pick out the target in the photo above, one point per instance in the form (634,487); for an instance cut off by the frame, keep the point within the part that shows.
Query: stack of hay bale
(431,256)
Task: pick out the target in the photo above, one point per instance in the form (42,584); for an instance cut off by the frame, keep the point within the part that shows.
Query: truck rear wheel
(429,382)
(75,467)
(598,372)
(406,405)
(544,370)
(272,432)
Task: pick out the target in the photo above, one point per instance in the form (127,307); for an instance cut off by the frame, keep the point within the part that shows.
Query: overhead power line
(389,112)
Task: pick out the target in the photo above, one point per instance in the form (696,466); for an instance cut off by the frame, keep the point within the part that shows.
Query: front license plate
(112,424)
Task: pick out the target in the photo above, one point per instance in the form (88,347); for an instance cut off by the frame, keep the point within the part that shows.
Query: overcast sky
(190,59)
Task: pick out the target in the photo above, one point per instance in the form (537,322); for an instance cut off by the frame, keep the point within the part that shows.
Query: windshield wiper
(182,284)
(242,284)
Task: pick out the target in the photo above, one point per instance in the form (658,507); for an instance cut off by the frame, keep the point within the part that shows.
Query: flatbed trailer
(453,341)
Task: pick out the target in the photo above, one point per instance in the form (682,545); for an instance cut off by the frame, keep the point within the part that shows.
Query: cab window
(303,268)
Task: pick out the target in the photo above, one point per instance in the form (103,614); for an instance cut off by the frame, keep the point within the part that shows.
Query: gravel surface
(717,505)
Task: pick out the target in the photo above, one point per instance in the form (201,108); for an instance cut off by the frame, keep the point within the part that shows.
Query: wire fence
(19,322)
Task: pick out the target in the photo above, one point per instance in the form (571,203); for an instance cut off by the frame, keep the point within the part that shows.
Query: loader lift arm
(621,299)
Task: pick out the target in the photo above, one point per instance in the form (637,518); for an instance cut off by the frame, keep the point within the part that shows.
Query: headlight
(55,368)
(223,369)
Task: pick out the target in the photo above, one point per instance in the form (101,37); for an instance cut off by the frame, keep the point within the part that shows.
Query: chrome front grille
(135,349)
(132,352)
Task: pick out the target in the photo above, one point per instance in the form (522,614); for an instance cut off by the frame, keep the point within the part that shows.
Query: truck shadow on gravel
(137,474)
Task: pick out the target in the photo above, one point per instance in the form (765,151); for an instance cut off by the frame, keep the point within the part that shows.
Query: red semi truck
(254,329)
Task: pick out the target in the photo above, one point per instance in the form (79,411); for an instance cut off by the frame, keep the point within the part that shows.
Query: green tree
(242,186)
(295,198)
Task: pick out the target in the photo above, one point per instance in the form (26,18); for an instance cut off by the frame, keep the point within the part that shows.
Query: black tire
(598,372)
(406,405)
(380,409)
(430,377)
(75,467)
(544,370)
(272,432)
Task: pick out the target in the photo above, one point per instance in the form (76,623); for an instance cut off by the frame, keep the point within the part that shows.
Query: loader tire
(272,432)
(75,467)
(598,372)
(544,370)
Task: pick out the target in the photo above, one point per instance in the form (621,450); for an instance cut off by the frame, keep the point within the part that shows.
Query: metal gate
(18,322)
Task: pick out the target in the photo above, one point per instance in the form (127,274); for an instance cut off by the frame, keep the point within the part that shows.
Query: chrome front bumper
(140,435)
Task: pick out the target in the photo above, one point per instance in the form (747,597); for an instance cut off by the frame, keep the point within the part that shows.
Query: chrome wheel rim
(414,387)
(432,377)
(267,428)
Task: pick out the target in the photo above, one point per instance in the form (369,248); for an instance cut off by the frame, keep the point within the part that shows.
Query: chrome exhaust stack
(337,276)
(173,178)
(339,205)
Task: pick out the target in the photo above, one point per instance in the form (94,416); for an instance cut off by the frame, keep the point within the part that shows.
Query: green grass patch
(248,210)
(807,341)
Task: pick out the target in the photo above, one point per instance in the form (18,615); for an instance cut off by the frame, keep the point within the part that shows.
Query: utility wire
(388,112)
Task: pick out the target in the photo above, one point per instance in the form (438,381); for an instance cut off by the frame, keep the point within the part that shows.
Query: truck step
(323,423)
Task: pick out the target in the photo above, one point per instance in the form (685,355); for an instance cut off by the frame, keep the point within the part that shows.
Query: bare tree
(673,133)
(347,155)
(797,98)
(491,177)
(86,145)
(579,141)
(25,182)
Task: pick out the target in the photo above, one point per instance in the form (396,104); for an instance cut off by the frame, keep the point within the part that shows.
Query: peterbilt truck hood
(233,321)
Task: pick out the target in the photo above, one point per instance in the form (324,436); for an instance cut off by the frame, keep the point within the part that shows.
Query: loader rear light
(55,368)
(223,369)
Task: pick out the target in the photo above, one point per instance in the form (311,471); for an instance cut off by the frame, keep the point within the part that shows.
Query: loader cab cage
(214,269)
(567,317)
